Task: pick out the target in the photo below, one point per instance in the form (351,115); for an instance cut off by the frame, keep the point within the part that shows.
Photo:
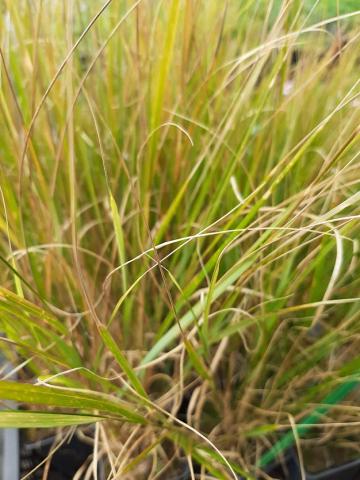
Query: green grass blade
(21,419)
(122,361)
(57,397)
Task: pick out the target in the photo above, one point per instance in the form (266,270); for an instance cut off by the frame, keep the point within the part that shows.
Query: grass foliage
(179,226)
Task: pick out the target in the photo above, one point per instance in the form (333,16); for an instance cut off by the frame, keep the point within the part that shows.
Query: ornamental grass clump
(179,230)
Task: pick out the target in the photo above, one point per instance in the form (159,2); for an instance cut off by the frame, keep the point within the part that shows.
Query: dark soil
(64,464)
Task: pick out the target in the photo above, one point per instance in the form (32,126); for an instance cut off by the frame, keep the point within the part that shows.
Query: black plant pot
(289,469)
(65,461)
